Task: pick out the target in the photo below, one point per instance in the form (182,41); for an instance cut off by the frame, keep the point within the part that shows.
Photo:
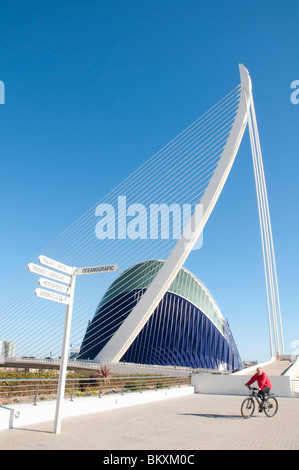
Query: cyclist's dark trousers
(263,392)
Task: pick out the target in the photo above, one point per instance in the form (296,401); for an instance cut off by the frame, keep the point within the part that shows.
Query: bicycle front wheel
(271,407)
(247,408)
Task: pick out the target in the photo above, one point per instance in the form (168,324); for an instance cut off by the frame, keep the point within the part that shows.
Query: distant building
(249,364)
(1,349)
(74,353)
(8,349)
(186,329)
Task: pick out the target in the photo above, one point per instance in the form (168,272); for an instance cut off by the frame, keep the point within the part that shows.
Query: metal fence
(34,390)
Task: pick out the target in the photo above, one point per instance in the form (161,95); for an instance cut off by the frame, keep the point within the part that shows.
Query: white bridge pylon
(140,314)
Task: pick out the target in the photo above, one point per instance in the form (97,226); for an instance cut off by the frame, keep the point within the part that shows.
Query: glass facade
(186,329)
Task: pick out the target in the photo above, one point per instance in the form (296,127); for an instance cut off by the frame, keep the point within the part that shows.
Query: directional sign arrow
(48,273)
(55,264)
(46,294)
(107,268)
(53,285)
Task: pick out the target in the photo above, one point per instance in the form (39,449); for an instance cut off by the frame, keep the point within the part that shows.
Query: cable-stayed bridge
(184,179)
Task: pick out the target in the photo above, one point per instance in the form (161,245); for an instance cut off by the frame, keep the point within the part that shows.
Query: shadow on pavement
(211,415)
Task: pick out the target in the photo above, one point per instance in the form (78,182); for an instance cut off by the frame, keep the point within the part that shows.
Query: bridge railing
(34,390)
(35,362)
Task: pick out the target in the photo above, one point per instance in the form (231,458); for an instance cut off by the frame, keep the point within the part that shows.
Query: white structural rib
(135,321)
(273,302)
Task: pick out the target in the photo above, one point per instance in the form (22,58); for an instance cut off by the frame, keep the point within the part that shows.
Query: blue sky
(93,89)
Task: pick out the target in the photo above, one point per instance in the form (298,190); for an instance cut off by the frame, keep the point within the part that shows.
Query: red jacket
(262,380)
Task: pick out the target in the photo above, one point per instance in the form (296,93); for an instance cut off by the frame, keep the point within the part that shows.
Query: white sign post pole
(64,356)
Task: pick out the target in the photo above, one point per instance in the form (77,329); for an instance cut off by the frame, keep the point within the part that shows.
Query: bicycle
(269,406)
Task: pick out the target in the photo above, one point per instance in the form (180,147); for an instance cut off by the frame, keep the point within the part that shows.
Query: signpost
(68,278)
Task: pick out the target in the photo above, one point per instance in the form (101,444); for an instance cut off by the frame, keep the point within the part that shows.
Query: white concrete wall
(233,384)
(16,416)
(293,371)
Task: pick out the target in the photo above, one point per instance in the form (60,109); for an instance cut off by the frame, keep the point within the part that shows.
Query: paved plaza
(194,422)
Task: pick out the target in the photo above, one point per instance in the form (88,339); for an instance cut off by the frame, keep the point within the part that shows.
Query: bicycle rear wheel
(270,407)
(247,408)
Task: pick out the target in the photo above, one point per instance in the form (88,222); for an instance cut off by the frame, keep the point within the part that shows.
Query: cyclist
(264,383)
